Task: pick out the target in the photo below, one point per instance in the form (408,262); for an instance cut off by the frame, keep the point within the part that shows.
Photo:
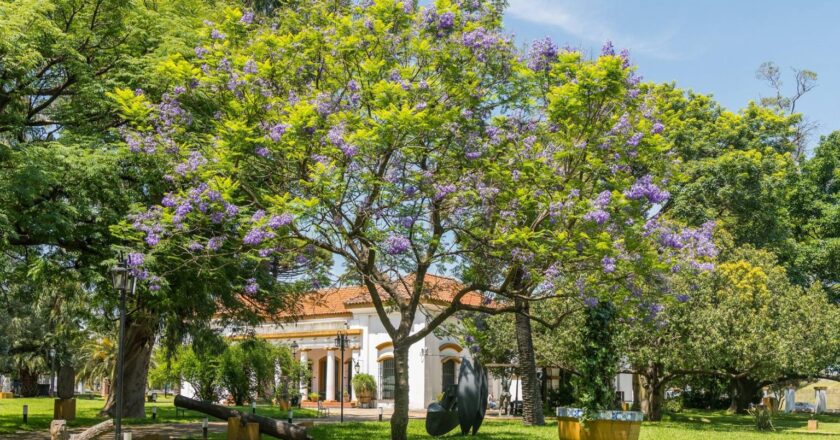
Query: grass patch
(691,425)
(87,410)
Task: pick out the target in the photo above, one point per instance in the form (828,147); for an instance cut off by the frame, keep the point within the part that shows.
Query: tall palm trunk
(532,408)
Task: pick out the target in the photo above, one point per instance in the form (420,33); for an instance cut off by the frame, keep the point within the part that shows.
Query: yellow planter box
(7,396)
(609,426)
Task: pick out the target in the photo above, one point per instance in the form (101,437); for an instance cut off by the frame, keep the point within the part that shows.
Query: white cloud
(585,22)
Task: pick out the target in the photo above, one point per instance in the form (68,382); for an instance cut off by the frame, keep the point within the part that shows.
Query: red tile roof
(337,301)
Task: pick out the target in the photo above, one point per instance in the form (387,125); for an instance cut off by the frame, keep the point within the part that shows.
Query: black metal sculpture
(462,404)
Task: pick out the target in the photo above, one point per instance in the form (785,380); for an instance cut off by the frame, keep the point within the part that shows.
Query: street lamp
(123,282)
(341,342)
(295,360)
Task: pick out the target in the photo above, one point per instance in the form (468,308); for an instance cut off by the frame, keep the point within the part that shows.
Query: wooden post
(233,428)
(813,425)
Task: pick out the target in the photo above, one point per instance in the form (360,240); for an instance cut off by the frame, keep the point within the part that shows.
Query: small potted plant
(365,386)
(313,397)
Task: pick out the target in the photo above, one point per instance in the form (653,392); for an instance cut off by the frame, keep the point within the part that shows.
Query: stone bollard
(58,430)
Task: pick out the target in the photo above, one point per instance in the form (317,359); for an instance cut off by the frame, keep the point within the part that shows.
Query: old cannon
(463,404)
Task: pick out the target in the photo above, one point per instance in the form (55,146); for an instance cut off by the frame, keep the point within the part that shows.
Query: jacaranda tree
(397,140)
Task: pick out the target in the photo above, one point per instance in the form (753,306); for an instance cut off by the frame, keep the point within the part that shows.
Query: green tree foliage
(815,206)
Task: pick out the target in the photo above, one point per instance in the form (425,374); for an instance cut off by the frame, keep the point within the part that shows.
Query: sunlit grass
(87,410)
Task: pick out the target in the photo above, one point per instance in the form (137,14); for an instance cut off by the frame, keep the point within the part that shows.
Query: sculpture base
(64,409)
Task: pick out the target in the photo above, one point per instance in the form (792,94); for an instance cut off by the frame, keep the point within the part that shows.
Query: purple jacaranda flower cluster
(440,23)
(261,151)
(138,143)
(480,40)
(598,216)
(622,126)
(542,53)
(257,235)
(550,278)
(635,139)
(336,136)
(608,264)
(250,67)
(247,18)
(195,160)
(645,188)
(657,128)
(278,221)
(215,243)
(276,132)
(217,35)
(200,52)
(625,58)
(608,49)
(353,87)
(522,255)
(397,244)
(135,260)
(149,223)
(442,191)
(694,245)
(251,286)
(170,113)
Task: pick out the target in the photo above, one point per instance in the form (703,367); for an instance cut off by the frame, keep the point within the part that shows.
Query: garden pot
(284,405)
(813,425)
(606,425)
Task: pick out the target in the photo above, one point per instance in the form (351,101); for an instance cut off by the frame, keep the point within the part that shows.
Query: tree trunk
(399,420)
(94,431)
(653,391)
(268,426)
(139,339)
(637,392)
(532,409)
(28,382)
(743,391)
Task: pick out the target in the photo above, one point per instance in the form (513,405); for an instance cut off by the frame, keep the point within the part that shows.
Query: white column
(330,374)
(304,359)
(790,399)
(354,358)
(821,403)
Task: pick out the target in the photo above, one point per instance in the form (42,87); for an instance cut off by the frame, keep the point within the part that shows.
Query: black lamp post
(341,342)
(124,282)
(295,360)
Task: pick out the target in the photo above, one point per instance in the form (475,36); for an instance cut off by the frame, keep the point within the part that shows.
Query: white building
(433,361)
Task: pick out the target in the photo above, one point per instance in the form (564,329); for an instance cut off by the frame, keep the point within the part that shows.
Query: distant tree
(804,82)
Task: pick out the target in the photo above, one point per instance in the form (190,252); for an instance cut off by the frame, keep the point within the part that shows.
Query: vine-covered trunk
(653,392)
(139,339)
(532,409)
(399,420)
(744,391)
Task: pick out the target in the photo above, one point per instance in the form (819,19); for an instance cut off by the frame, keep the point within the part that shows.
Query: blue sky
(713,47)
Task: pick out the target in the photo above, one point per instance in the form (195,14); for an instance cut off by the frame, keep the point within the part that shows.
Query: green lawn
(41,411)
(690,425)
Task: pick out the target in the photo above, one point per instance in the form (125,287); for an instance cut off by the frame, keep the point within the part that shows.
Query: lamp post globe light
(124,282)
